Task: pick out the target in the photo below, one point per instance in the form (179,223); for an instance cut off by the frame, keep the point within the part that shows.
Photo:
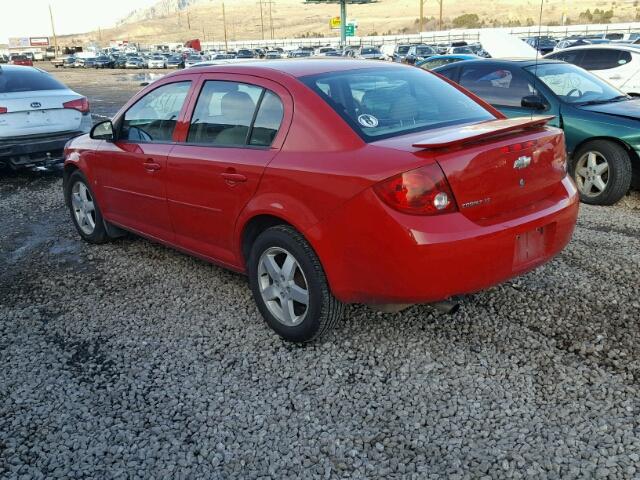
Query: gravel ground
(132,360)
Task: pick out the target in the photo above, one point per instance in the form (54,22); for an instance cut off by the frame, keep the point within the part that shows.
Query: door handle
(232,178)
(151,166)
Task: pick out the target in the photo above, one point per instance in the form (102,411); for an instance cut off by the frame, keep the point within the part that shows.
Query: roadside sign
(334,22)
(39,41)
(350,30)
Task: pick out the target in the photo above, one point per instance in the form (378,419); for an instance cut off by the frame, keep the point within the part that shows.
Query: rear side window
(497,85)
(235,114)
(385,102)
(27,80)
(153,117)
(571,56)
(604,59)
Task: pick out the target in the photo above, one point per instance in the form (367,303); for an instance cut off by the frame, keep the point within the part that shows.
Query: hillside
(179,20)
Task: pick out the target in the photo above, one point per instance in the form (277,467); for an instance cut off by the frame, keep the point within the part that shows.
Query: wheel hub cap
(592,174)
(283,286)
(83,208)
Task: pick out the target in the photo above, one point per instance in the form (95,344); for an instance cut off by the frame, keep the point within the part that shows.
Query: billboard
(19,42)
(39,41)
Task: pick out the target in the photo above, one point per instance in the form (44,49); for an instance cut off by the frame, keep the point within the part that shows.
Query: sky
(30,18)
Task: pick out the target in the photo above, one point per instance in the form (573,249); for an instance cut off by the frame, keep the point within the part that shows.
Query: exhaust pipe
(447,307)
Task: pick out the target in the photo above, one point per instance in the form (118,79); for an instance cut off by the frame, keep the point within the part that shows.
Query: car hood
(628,109)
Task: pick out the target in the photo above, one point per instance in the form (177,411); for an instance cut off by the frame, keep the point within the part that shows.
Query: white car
(192,60)
(615,63)
(157,61)
(38,116)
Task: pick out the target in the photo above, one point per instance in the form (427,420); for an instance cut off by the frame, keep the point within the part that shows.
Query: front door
(236,128)
(132,170)
(504,87)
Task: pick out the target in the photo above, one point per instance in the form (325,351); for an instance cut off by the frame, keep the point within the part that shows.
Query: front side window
(153,117)
(572,84)
(235,114)
(385,102)
(497,85)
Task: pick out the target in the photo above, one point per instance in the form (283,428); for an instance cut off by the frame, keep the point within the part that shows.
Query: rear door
(504,87)
(612,65)
(237,125)
(132,170)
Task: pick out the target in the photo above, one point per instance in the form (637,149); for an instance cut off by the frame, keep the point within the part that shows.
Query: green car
(601,124)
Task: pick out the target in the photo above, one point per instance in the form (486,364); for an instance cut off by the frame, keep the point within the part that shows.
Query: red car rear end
(328,182)
(21,60)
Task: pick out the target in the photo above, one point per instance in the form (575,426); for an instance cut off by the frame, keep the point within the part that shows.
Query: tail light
(423,191)
(81,104)
(3,109)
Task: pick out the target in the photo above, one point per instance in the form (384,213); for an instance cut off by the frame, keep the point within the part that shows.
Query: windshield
(424,50)
(402,49)
(27,80)
(462,50)
(380,103)
(573,84)
(369,51)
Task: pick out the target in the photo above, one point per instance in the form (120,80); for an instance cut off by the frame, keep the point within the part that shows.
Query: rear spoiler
(480,131)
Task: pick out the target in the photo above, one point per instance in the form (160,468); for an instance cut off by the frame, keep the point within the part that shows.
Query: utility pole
(188,21)
(261,19)
(421,14)
(224,21)
(343,23)
(440,21)
(53,30)
(271,18)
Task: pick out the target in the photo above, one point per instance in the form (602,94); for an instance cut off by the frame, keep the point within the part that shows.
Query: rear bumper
(373,254)
(35,151)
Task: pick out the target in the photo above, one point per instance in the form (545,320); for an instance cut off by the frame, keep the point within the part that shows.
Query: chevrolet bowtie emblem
(522,162)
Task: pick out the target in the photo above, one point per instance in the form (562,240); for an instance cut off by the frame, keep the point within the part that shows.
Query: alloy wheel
(283,286)
(592,173)
(84,209)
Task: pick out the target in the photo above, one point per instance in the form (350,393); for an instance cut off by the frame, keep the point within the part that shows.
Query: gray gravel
(133,360)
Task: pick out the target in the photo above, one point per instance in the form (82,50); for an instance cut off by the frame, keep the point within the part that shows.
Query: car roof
(606,46)
(520,62)
(298,67)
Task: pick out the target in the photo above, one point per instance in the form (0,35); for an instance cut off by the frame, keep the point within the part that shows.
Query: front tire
(602,172)
(290,287)
(84,209)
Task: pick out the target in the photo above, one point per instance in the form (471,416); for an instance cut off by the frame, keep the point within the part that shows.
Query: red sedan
(21,60)
(327,182)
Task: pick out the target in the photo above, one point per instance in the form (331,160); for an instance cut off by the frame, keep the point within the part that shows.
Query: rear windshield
(380,103)
(27,80)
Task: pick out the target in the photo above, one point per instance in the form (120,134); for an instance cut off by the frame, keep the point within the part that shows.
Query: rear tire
(602,172)
(84,209)
(282,252)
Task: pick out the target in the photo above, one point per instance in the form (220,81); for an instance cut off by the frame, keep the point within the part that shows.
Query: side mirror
(102,131)
(534,102)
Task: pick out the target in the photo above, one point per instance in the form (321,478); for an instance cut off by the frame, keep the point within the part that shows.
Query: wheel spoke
(271,266)
(76,201)
(270,293)
(289,267)
(599,184)
(602,168)
(586,186)
(82,190)
(287,311)
(591,160)
(300,295)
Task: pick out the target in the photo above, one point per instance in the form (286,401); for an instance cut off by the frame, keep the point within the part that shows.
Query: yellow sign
(334,22)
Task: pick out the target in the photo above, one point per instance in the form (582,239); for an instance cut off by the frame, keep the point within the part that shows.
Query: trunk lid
(506,166)
(36,113)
